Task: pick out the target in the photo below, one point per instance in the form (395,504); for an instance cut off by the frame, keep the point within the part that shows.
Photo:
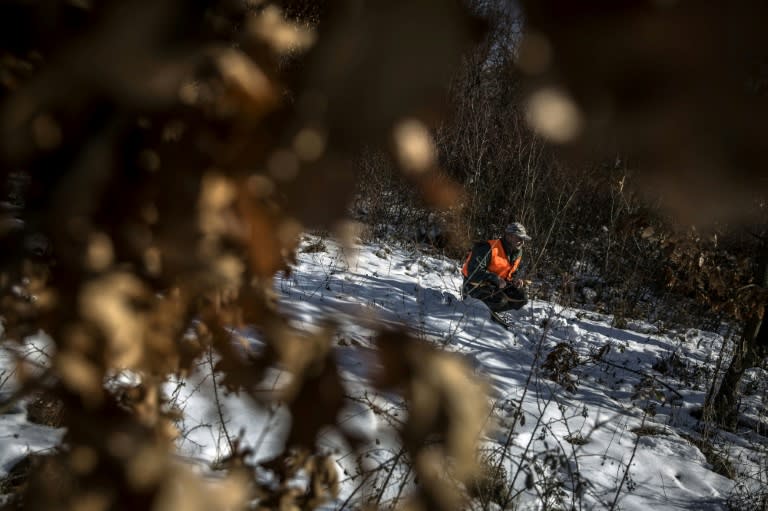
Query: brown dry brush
(168,155)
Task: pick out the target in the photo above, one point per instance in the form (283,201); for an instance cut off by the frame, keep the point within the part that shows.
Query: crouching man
(489,270)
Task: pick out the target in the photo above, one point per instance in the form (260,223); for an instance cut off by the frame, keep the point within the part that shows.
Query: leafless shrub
(314,247)
(560,361)
(576,439)
(45,409)
(749,494)
(490,485)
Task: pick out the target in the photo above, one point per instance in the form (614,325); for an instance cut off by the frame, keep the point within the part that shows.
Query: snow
(623,431)
(20,438)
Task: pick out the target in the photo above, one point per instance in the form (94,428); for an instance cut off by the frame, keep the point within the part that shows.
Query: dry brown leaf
(109,303)
(446,412)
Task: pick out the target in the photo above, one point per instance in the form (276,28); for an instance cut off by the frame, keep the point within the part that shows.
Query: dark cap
(518,230)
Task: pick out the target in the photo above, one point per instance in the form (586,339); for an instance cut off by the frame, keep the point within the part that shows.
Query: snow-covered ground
(610,429)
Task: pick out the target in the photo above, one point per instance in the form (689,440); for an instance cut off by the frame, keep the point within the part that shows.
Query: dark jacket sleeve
(477,268)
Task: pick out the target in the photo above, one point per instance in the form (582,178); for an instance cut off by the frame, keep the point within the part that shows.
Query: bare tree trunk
(748,354)
(751,349)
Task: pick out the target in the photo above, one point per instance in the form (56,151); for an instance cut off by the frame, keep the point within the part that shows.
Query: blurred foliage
(160,159)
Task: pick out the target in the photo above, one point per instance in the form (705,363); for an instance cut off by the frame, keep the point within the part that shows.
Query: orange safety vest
(499,262)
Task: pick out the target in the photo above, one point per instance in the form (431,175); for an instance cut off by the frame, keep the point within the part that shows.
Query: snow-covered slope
(584,415)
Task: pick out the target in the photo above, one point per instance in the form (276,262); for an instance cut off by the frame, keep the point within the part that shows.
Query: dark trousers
(498,300)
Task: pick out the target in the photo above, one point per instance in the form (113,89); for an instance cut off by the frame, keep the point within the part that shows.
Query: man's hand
(502,283)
